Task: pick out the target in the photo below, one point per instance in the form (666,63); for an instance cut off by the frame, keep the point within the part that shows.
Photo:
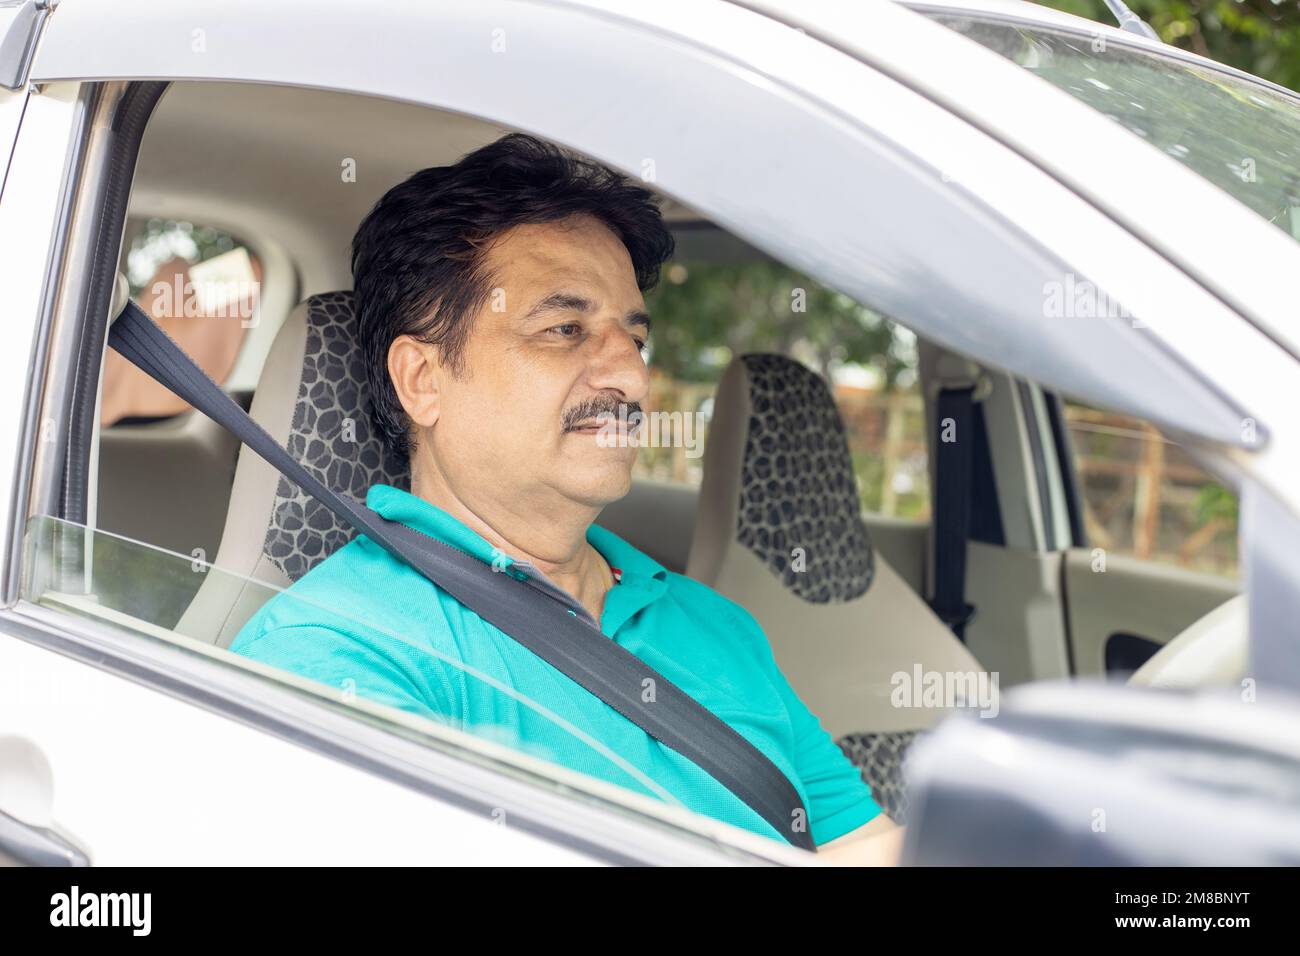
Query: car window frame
(619,827)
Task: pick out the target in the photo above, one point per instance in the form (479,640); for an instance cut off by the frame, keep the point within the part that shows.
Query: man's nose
(617,364)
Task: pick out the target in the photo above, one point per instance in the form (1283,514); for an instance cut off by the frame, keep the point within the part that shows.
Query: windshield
(1242,136)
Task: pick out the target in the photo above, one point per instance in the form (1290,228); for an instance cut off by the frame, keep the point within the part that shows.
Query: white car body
(161,756)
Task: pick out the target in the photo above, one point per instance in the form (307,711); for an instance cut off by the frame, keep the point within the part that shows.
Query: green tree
(707,313)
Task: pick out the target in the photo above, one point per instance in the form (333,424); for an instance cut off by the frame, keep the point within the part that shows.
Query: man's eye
(641,344)
(567,330)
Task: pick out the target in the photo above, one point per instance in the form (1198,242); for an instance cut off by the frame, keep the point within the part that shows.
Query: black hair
(417,258)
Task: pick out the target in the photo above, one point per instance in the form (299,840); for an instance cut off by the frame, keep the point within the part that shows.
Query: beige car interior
(1213,650)
(778,489)
(778,486)
(1132,596)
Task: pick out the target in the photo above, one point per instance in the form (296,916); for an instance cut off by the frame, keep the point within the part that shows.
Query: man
(500,309)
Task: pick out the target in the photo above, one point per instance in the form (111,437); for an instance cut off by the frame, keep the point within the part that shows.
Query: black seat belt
(952,501)
(534,612)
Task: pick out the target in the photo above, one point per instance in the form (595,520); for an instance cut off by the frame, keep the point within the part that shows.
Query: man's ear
(414,371)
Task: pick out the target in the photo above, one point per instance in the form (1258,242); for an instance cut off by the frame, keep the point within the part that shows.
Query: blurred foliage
(1258,36)
(156,241)
(1215,502)
(707,313)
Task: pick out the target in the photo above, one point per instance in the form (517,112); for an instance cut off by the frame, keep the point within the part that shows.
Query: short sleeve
(839,801)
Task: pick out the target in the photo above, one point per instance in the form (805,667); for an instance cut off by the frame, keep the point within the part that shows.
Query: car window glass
(202,286)
(1144,496)
(145,591)
(1242,136)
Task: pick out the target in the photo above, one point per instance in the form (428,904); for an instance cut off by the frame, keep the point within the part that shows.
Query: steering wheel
(1213,650)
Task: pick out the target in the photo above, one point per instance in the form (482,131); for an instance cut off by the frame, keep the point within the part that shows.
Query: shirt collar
(643,578)
(418,514)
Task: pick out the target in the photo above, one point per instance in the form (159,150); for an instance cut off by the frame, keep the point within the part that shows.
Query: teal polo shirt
(365,622)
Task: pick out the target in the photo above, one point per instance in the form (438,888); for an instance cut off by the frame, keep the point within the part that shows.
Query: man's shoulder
(349,592)
(705,603)
(683,590)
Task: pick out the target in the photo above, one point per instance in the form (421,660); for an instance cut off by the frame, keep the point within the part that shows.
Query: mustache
(594,408)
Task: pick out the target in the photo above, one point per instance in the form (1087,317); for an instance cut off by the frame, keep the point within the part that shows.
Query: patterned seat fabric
(880,758)
(798,486)
(332,437)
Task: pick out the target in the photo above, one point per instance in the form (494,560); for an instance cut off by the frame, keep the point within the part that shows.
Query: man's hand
(876,843)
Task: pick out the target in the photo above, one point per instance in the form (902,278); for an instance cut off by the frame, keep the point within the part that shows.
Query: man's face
(558,343)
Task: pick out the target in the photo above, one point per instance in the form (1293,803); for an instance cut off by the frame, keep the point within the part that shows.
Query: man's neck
(552,539)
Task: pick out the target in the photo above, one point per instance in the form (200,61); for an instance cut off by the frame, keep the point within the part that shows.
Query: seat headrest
(779,480)
(330,432)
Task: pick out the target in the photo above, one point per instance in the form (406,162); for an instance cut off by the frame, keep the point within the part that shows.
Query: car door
(963,261)
(1157,540)
(202,762)
(100,762)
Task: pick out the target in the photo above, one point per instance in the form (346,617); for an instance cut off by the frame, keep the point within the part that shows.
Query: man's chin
(598,483)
